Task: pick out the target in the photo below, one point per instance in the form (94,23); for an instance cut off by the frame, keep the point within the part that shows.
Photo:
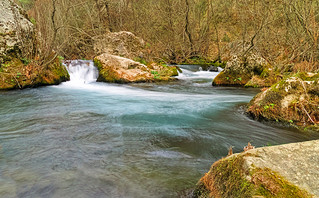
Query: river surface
(89,139)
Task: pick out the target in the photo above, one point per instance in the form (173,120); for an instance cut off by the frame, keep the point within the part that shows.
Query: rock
(213,69)
(241,67)
(124,44)
(16,31)
(16,75)
(17,46)
(293,100)
(289,170)
(116,69)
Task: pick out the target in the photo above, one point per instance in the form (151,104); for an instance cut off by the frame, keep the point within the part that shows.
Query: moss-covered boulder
(241,67)
(16,74)
(279,171)
(294,100)
(227,78)
(116,69)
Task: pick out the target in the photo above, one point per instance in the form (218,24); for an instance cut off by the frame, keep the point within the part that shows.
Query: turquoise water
(88,139)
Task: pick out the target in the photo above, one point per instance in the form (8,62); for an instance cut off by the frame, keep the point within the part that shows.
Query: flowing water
(89,139)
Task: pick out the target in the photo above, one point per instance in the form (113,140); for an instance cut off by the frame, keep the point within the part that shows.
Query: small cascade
(81,71)
(194,72)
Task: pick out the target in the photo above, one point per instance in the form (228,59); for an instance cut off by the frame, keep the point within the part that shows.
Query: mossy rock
(293,101)
(230,79)
(16,74)
(231,177)
(115,69)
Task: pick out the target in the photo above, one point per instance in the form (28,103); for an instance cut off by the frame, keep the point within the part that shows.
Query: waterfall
(81,71)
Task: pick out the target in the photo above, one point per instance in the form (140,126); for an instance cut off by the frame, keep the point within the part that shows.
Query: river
(89,139)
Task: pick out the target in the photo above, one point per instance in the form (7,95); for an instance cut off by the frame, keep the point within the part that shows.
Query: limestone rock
(124,44)
(16,31)
(116,69)
(289,170)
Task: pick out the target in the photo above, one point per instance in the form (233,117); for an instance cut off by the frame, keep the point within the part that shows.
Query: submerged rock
(289,170)
(117,69)
(294,100)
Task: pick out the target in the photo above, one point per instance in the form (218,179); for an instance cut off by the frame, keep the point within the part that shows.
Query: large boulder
(16,31)
(289,170)
(294,100)
(116,69)
(124,44)
(18,47)
(241,67)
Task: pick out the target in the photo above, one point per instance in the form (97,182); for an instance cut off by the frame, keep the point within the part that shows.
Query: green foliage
(25,61)
(155,74)
(33,21)
(61,58)
(141,60)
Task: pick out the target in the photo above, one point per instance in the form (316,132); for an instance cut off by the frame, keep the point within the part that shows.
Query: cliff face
(289,170)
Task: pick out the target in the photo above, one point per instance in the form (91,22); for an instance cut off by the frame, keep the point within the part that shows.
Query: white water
(81,72)
(205,75)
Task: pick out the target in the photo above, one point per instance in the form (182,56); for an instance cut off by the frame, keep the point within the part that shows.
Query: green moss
(231,79)
(226,179)
(270,184)
(15,75)
(141,60)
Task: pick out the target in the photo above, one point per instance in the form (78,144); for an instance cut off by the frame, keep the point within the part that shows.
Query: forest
(284,32)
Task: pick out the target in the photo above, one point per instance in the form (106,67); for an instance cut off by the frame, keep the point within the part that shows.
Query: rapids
(89,139)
